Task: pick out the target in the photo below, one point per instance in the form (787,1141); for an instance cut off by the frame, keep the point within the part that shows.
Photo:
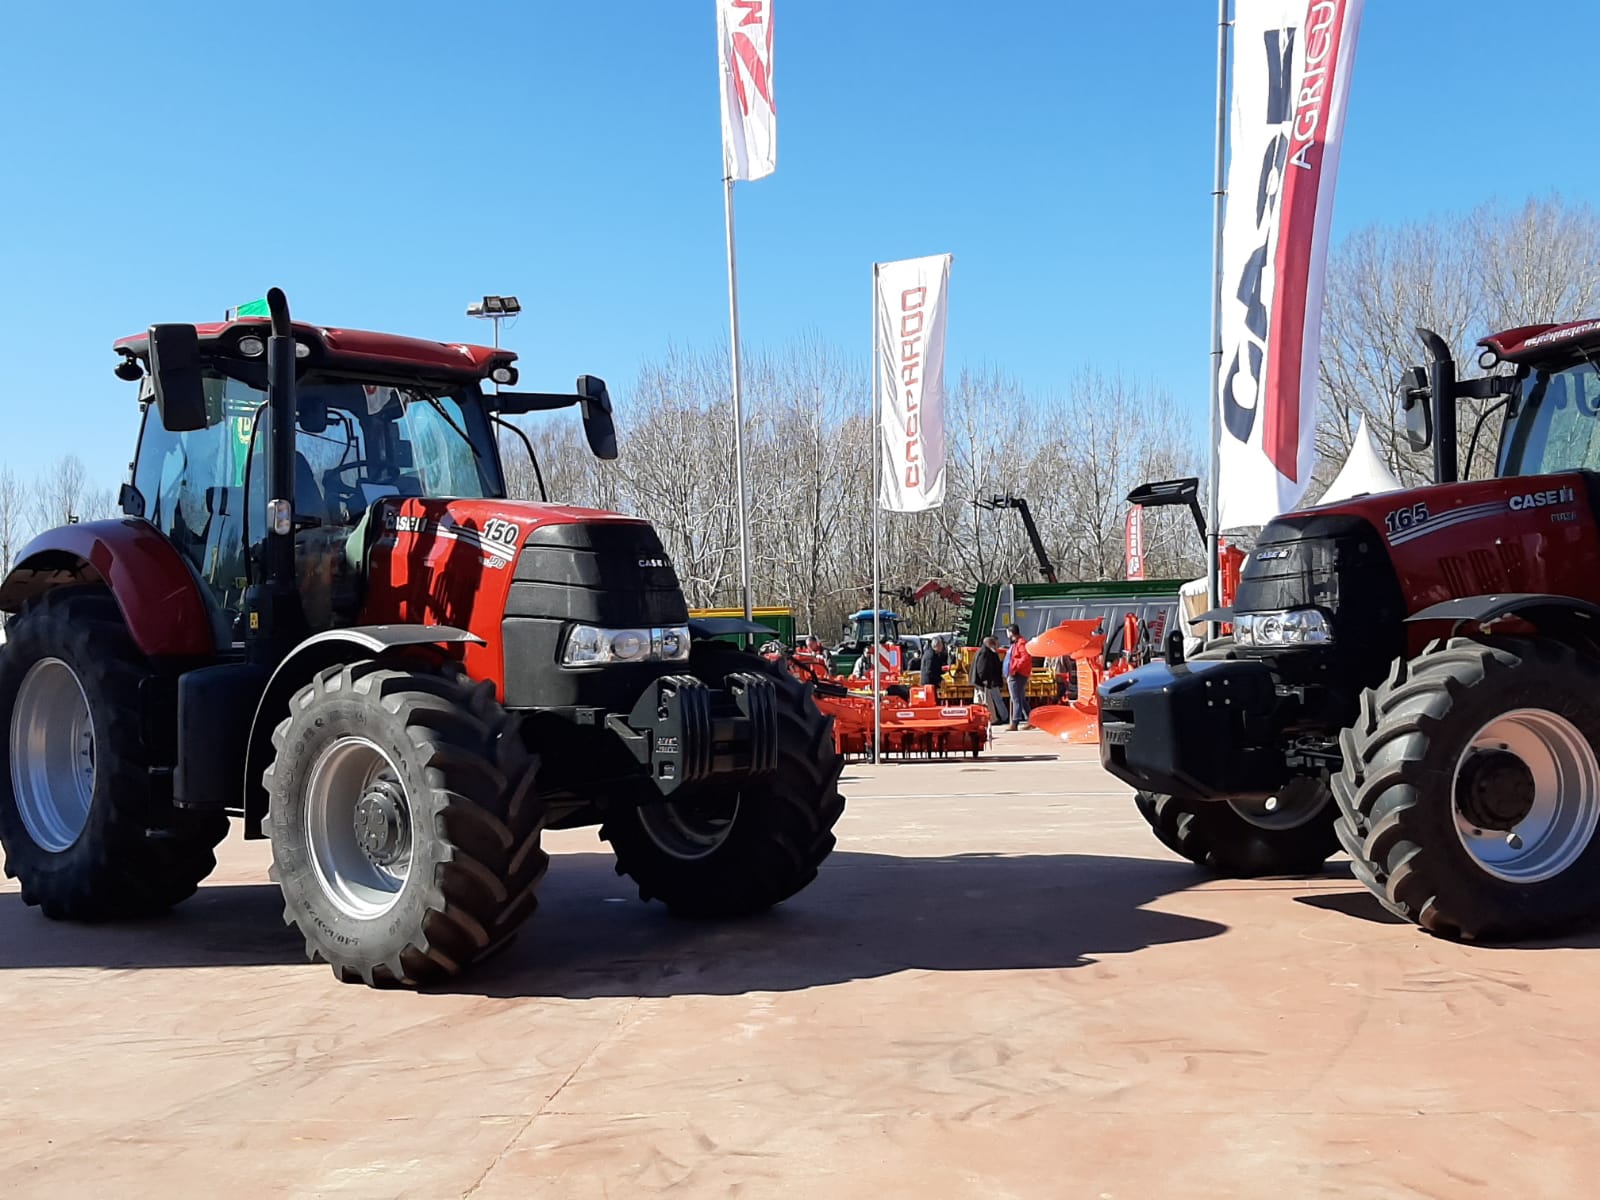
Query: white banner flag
(1291,76)
(909,343)
(744,57)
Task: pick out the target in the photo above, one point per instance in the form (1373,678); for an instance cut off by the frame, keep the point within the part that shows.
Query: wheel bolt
(1513,841)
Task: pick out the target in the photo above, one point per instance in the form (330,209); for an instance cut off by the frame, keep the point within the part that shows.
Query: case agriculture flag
(749,120)
(912,300)
(1291,75)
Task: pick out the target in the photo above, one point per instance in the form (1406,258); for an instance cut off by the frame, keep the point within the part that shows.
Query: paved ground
(1000,986)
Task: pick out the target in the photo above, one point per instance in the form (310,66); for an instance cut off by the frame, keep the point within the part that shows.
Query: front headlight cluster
(1272,630)
(591,646)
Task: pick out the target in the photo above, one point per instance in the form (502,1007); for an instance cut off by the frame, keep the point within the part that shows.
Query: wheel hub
(1495,790)
(381,823)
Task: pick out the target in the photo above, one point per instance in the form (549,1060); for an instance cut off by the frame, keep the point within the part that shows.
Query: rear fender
(162,600)
(317,653)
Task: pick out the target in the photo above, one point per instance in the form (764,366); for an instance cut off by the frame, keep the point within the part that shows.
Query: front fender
(1556,615)
(316,653)
(157,591)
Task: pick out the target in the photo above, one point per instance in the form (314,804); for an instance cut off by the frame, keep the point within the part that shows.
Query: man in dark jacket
(934,661)
(988,681)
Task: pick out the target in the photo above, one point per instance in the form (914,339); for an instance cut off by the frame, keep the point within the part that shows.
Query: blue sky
(385,163)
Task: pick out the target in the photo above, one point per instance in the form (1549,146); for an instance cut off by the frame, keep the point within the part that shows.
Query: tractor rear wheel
(1246,839)
(731,851)
(404,822)
(1470,795)
(86,831)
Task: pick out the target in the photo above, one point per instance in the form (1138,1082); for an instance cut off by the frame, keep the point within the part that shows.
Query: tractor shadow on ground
(223,925)
(866,916)
(1364,906)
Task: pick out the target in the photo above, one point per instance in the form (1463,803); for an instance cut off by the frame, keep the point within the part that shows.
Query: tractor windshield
(1557,423)
(355,443)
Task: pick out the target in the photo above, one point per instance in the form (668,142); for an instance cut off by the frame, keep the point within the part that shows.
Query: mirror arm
(533,458)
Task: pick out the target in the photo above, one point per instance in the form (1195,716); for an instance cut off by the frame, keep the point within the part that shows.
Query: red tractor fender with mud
(156,590)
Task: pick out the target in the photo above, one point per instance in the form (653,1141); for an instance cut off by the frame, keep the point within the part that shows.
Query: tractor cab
(377,420)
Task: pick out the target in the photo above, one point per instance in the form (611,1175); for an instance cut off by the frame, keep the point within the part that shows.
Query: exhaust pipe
(1442,399)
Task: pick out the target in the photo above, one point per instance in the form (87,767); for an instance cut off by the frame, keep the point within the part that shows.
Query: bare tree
(1463,277)
(13,517)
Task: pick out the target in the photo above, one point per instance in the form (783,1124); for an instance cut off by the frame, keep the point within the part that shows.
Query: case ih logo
(1564,495)
(750,58)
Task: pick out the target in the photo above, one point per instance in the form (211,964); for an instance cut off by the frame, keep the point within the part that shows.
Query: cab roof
(1527,343)
(333,348)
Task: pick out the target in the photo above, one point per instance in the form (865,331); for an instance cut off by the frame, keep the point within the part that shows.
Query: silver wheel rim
(690,829)
(358,827)
(1565,803)
(52,755)
(1291,808)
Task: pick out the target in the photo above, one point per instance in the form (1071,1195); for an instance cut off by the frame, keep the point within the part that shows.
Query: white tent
(1364,473)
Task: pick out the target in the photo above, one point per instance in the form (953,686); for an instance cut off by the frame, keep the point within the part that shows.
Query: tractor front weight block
(1205,730)
(686,733)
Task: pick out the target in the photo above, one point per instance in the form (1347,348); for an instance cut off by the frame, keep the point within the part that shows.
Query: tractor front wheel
(1470,794)
(729,851)
(85,830)
(404,823)
(1291,835)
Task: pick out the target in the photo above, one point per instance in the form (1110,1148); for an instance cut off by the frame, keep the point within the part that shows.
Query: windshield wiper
(451,421)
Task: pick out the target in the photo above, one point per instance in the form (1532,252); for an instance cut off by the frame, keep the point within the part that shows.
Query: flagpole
(738,405)
(877,466)
(1218,197)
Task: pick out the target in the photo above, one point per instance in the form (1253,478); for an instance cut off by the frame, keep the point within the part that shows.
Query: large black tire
(135,854)
(1214,835)
(1399,799)
(441,772)
(757,844)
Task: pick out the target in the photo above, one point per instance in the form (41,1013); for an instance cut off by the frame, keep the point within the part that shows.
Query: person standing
(934,661)
(988,680)
(1019,666)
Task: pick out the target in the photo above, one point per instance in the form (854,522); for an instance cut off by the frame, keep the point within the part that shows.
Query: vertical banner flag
(744,59)
(1134,538)
(911,304)
(1291,77)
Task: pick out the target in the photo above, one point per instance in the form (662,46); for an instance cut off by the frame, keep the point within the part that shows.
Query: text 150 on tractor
(322,616)
(1414,675)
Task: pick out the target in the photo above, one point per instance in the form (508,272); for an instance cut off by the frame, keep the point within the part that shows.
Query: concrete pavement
(1000,986)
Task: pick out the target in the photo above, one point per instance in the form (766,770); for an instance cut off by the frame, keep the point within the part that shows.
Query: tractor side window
(1558,428)
(193,486)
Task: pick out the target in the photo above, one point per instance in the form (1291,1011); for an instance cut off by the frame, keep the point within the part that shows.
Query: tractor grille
(614,574)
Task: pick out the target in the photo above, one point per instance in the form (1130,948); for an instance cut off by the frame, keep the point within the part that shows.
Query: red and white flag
(1133,536)
(1291,77)
(909,339)
(744,59)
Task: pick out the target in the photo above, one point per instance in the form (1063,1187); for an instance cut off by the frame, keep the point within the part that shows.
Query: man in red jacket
(1019,665)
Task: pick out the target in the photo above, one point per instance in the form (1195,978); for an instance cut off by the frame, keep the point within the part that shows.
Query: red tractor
(1414,676)
(321,615)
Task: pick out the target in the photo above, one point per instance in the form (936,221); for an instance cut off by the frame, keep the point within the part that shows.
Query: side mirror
(1414,396)
(598,426)
(175,375)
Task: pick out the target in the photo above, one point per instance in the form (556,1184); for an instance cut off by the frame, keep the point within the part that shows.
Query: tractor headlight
(591,646)
(1276,630)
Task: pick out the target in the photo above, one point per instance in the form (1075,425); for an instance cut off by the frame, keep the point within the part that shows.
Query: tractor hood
(511,571)
(1428,544)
